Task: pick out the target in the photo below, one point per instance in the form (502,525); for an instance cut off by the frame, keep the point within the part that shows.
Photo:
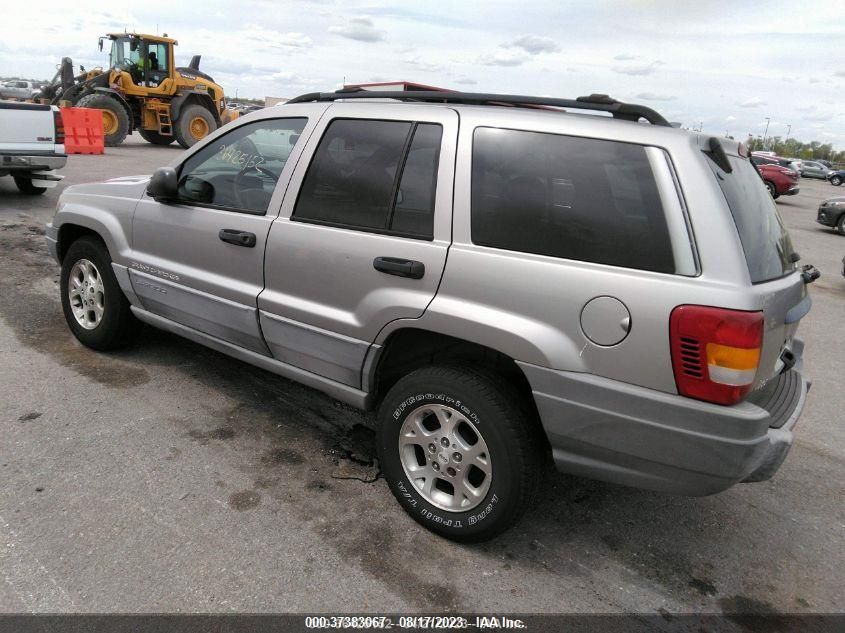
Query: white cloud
(637,69)
(535,44)
(650,96)
(467,81)
(625,57)
(503,58)
(361,29)
(753,102)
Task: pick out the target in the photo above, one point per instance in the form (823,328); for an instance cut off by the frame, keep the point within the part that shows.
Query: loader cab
(148,60)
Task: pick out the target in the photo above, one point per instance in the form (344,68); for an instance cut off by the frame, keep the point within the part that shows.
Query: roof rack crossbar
(596,102)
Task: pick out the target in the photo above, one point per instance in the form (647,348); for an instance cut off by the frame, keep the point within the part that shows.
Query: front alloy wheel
(86,294)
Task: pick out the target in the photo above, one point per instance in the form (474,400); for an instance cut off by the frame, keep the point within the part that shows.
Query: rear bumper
(630,435)
(32,162)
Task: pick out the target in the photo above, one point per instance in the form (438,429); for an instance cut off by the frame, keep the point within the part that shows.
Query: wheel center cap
(443,458)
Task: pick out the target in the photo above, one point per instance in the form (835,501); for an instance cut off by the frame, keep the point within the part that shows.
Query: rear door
(362,236)
(200,261)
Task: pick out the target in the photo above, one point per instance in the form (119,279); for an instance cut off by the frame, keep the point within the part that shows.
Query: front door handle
(399,267)
(238,238)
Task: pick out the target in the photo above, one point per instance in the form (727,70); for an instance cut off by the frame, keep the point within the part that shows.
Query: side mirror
(163,184)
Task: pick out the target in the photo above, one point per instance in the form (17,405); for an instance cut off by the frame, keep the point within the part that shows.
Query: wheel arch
(75,226)
(409,348)
(192,97)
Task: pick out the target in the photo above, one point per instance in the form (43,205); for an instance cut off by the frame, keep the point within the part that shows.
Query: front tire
(151,136)
(95,308)
(115,117)
(194,124)
(459,449)
(25,185)
(836,181)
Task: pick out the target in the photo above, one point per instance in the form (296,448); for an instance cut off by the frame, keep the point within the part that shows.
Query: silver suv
(507,279)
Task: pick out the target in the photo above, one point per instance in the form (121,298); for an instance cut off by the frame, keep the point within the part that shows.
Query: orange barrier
(83,130)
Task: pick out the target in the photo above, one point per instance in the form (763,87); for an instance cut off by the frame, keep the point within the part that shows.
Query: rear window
(576,198)
(765,241)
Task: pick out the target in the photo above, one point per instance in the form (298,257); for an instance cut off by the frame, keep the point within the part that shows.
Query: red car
(780,180)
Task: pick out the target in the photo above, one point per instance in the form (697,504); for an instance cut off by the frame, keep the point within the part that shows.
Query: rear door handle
(238,238)
(399,267)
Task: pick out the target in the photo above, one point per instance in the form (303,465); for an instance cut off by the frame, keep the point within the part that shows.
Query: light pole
(788,130)
(766,132)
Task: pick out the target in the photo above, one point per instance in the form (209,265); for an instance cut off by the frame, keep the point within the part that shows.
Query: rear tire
(115,117)
(836,181)
(772,189)
(194,124)
(25,185)
(151,136)
(104,322)
(840,226)
(461,489)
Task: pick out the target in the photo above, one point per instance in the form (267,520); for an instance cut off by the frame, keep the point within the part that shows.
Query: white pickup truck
(31,145)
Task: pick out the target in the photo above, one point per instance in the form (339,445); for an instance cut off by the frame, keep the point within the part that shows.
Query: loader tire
(195,122)
(151,136)
(115,117)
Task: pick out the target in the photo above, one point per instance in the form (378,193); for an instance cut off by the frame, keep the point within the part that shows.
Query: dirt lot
(171,478)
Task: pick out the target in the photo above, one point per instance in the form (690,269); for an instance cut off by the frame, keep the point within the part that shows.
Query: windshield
(768,248)
(122,53)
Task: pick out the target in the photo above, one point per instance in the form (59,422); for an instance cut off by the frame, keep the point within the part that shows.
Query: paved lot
(171,478)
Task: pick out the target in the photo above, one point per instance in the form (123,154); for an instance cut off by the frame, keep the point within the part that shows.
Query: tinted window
(562,196)
(358,178)
(764,239)
(239,171)
(414,211)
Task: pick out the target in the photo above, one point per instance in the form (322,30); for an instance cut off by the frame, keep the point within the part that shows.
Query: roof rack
(599,102)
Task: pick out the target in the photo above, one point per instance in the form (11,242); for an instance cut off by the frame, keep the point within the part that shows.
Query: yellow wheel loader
(143,90)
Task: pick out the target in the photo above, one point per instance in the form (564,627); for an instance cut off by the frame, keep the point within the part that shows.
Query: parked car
(587,313)
(787,163)
(18,90)
(814,169)
(795,164)
(31,145)
(779,180)
(832,213)
(836,177)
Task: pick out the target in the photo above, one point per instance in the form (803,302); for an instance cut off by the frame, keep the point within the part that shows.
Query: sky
(724,66)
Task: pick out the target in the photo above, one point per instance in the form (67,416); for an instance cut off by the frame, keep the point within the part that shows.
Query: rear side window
(766,243)
(373,175)
(569,197)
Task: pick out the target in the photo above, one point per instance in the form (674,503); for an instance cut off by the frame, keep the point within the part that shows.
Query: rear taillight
(59,126)
(715,352)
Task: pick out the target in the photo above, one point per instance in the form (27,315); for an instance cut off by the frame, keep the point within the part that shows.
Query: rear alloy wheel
(460,451)
(836,181)
(25,185)
(194,124)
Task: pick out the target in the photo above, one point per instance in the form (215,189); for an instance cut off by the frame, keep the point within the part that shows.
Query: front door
(362,236)
(200,261)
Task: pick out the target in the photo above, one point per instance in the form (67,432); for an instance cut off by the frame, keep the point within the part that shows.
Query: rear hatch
(776,280)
